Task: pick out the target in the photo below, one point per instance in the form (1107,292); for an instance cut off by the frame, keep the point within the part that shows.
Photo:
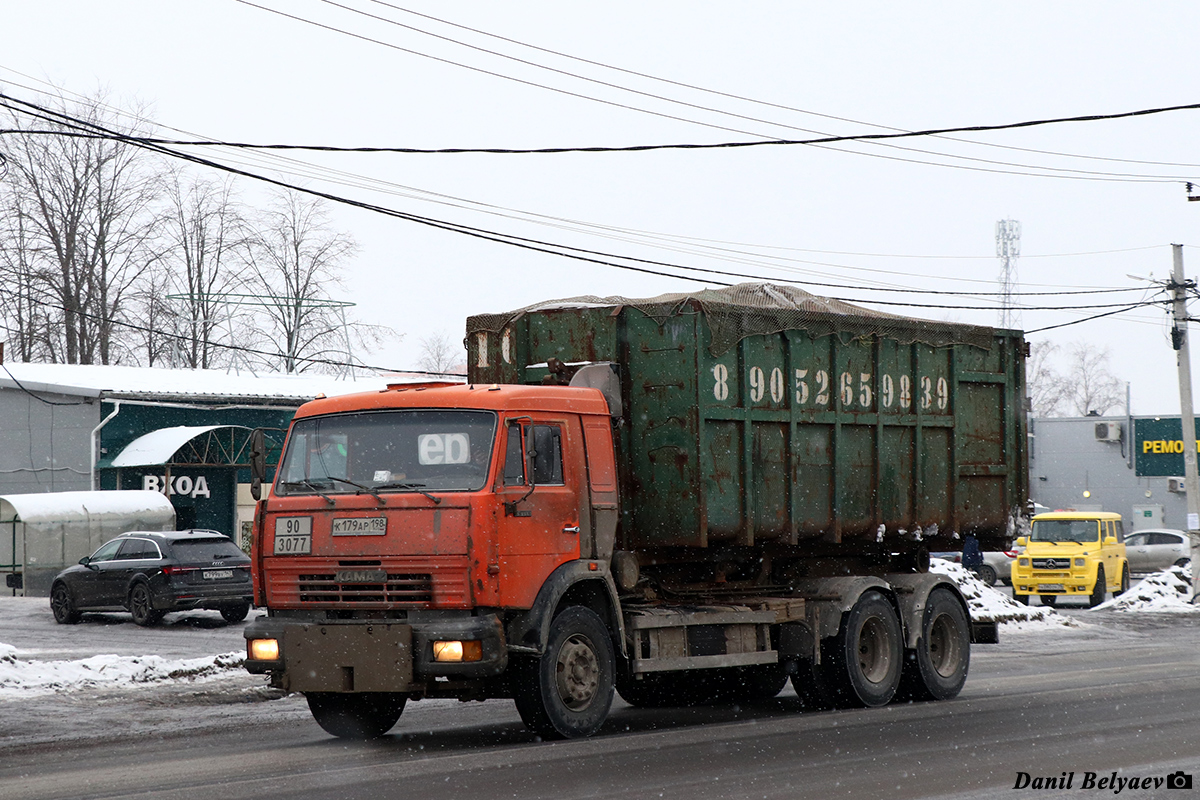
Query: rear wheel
(567,692)
(366,715)
(1099,590)
(1124,582)
(63,605)
(861,666)
(987,574)
(141,605)
(938,667)
(235,613)
(1183,562)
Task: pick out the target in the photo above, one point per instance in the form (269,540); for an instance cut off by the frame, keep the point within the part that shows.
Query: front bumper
(1053,582)
(375,656)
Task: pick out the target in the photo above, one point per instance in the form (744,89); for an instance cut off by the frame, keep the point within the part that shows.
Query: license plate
(217,574)
(1051,587)
(360,526)
(361,576)
(293,536)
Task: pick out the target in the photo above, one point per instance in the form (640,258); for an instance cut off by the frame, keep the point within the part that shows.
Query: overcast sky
(916,213)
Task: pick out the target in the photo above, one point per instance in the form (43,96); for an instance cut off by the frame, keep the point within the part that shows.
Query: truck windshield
(388,451)
(1065,530)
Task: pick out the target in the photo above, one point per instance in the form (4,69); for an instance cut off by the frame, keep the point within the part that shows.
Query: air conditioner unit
(1108,431)
(1176,485)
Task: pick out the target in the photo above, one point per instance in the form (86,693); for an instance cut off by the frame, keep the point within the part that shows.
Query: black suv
(149,573)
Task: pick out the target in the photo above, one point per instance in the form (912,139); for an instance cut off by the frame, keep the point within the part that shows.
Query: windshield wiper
(415,487)
(307,484)
(360,486)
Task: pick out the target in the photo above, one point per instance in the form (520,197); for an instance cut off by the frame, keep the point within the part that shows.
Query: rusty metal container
(762,414)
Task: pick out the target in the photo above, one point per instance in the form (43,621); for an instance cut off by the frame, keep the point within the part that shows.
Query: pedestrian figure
(972,556)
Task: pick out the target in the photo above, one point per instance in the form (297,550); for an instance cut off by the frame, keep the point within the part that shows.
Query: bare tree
(83,207)
(1047,388)
(297,259)
(1091,389)
(206,233)
(440,354)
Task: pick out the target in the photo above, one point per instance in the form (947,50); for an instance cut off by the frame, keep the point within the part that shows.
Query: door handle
(571,529)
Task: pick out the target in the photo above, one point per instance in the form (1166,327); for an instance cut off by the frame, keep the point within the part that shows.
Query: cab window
(536,448)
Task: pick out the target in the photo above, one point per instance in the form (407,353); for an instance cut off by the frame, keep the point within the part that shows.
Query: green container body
(788,437)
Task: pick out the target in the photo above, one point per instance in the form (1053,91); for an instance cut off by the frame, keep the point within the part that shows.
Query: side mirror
(87,562)
(258,462)
(1022,541)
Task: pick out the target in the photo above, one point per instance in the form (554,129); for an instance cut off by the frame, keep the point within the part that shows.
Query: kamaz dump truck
(680,499)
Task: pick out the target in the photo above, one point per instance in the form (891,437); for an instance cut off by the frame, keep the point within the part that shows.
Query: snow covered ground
(62,682)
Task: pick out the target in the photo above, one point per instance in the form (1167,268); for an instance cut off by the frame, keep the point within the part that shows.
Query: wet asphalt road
(1113,696)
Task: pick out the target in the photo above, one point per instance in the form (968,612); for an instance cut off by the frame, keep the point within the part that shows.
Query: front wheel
(938,667)
(236,613)
(1049,600)
(366,715)
(1023,599)
(567,692)
(1099,590)
(63,606)
(141,605)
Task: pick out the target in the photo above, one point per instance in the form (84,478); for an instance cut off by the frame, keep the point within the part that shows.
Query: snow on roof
(157,447)
(58,507)
(95,380)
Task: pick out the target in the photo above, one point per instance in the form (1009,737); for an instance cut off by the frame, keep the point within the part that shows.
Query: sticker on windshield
(444,448)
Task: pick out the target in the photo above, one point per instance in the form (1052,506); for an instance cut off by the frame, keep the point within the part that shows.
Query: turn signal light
(263,649)
(471,650)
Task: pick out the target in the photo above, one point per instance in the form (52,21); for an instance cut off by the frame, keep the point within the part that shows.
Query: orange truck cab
(416,537)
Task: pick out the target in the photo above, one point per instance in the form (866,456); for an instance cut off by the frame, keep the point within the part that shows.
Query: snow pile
(988,605)
(1169,592)
(109,671)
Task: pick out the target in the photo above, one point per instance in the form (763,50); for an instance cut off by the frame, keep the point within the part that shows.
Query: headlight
(1081,562)
(471,650)
(1022,562)
(263,649)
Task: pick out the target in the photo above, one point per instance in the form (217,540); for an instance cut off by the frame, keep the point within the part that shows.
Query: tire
(937,668)
(1099,590)
(236,613)
(861,666)
(1023,599)
(1124,582)
(141,605)
(567,692)
(987,574)
(365,715)
(1183,562)
(63,606)
(1049,600)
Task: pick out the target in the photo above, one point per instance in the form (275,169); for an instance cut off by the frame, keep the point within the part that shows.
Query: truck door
(540,524)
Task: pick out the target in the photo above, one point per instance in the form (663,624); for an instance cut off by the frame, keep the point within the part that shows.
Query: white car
(1153,550)
(997,565)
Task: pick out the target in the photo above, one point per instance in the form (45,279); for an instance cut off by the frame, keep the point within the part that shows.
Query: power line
(732,96)
(551,248)
(824,141)
(590,228)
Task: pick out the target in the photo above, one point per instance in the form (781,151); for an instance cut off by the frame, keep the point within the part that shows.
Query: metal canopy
(196,445)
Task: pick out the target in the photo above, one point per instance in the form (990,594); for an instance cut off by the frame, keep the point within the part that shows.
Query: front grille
(1062,563)
(398,589)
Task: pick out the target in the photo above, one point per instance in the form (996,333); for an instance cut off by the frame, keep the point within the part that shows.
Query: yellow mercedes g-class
(1067,553)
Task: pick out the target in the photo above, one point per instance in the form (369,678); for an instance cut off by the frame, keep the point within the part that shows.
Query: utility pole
(1008,247)
(1179,287)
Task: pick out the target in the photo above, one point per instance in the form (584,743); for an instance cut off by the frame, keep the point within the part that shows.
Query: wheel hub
(577,672)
